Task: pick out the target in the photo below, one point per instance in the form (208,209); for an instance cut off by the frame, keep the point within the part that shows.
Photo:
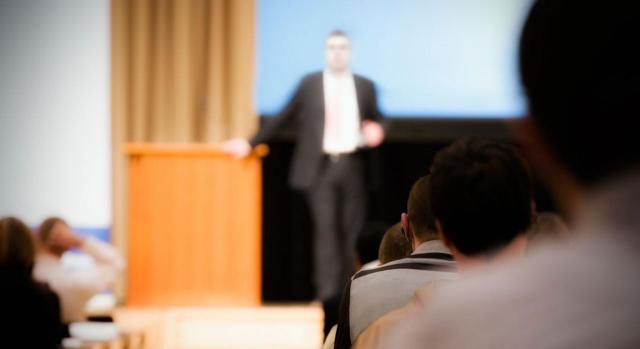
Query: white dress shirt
(342,116)
(76,287)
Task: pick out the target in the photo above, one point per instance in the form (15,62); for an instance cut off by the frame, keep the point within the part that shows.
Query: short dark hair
(481,194)
(44,231)
(580,71)
(338,32)
(420,217)
(17,249)
(394,245)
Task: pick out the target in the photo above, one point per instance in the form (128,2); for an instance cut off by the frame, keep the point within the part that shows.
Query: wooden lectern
(194,223)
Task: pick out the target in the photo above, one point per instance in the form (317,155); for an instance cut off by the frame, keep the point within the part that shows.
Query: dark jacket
(305,111)
(30,312)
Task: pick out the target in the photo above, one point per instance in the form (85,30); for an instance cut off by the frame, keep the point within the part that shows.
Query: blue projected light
(428,58)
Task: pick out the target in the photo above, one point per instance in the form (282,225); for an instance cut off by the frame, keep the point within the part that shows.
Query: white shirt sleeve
(109,265)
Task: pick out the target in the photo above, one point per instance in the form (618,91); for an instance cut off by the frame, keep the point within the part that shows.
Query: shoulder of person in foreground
(565,294)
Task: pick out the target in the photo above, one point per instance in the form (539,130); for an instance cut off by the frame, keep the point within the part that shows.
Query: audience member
(30,310)
(394,245)
(372,293)
(476,185)
(75,287)
(580,72)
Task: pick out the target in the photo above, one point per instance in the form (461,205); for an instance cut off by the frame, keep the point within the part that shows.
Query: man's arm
(109,265)
(240,147)
(373,112)
(286,116)
(373,129)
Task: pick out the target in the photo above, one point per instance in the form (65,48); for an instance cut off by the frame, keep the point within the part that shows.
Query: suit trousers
(338,208)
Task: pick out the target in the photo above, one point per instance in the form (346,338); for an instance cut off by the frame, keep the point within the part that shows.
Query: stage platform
(275,326)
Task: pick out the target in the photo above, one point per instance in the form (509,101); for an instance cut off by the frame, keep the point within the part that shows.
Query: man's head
(17,249)
(418,222)
(53,235)
(394,245)
(480,195)
(338,51)
(580,70)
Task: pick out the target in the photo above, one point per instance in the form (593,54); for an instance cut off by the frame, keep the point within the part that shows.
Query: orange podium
(194,226)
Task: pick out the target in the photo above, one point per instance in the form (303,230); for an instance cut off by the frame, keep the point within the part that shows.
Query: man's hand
(373,133)
(237,147)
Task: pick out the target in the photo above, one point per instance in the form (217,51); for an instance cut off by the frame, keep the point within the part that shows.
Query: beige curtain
(182,71)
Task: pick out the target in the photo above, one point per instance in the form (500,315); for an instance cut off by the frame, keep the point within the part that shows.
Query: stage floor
(272,326)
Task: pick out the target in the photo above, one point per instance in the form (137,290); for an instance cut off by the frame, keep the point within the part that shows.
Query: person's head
(337,51)
(394,245)
(580,72)
(50,227)
(418,222)
(548,227)
(17,248)
(481,197)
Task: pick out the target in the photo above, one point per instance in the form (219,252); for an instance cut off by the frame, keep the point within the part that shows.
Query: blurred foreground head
(580,70)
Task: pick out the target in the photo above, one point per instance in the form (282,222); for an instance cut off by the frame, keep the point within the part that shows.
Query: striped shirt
(371,294)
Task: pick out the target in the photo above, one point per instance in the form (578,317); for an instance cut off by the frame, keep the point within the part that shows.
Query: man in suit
(335,114)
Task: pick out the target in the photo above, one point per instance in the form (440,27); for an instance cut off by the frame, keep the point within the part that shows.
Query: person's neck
(417,242)
(338,72)
(514,250)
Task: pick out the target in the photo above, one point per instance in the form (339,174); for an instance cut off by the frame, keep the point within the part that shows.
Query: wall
(428,58)
(54,112)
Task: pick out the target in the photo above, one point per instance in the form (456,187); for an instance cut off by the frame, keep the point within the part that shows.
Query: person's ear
(405,226)
(404,221)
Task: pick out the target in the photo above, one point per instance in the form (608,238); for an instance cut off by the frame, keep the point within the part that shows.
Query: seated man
(483,208)
(74,287)
(372,293)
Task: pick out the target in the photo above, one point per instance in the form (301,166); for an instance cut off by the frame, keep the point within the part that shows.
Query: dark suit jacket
(306,111)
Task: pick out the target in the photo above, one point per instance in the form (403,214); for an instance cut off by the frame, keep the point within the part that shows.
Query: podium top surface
(185,149)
